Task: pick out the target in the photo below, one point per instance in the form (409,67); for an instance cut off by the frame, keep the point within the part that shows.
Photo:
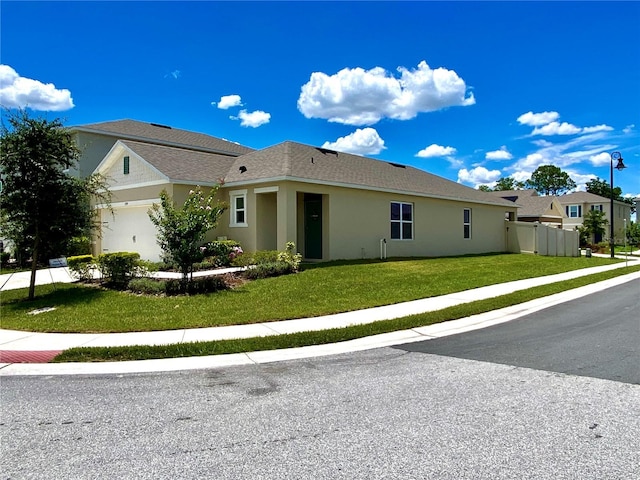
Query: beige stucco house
(546,210)
(577,204)
(333,205)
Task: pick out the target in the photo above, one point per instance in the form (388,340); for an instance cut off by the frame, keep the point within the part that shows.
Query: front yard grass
(320,289)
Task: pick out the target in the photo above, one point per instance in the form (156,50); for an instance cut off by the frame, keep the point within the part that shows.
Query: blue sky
(471,91)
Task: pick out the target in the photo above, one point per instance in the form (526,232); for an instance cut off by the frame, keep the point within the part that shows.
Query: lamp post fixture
(620,165)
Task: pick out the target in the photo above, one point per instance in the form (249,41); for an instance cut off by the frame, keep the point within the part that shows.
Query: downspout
(383,249)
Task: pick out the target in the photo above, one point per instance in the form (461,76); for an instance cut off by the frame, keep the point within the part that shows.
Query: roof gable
(182,165)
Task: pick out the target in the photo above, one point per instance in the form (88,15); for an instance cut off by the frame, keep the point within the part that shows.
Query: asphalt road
(596,336)
(384,413)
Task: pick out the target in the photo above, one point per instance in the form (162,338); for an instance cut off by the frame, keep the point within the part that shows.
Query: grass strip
(145,352)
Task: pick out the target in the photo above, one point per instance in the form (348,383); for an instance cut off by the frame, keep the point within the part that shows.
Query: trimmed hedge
(82,266)
(172,287)
(118,268)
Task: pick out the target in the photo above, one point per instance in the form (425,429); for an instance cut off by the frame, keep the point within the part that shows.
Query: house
(333,205)
(577,204)
(546,210)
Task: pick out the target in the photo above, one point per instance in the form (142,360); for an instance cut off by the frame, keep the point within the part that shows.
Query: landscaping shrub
(222,252)
(118,268)
(79,246)
(198,285)
(82,266)
(268,269)
(4,259)
(274,263)
(147,286)
(255,258)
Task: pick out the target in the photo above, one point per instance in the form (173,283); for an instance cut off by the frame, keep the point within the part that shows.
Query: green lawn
(318,290)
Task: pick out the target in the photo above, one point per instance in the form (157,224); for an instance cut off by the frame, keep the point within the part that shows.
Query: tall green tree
(602,188)
(43,206)
(508,183)
(182,230)
(550,180)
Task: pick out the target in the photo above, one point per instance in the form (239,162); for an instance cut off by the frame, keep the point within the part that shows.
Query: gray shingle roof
(581,197)
(154,133)
(182,165)
(529,203)
(295,161)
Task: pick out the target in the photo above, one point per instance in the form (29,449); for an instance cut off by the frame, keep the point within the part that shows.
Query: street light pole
(620,165)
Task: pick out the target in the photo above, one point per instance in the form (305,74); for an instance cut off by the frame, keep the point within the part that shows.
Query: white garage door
(130,230)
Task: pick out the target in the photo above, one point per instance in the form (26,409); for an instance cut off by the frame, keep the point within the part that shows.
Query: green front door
(313,226)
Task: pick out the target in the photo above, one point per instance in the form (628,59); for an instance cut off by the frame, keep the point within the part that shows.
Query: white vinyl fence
(525,237)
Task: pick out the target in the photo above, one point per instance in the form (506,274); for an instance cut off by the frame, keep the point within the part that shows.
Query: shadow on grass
(50,295)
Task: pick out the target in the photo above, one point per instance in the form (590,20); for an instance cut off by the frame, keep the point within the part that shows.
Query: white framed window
(597,208)
(466,222)
(401,221)
(238,200)
(574,211)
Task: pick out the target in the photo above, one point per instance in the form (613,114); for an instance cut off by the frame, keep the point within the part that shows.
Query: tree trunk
(34,265)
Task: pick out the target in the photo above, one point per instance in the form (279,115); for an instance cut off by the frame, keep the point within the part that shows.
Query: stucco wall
(354,222)
(93,149)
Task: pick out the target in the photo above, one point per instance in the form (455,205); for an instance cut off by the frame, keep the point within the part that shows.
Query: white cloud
(253,119)
(502,154)
(365,141)
(597,128)
(434,150)
(228,101)
(364,97)
(537,119)
(521,175)
(556,128)
(580,179)
(175,74)
(628,129)
(478,176)
(21,92)
(600,159)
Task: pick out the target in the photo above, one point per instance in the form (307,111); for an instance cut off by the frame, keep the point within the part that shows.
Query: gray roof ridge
(92,128)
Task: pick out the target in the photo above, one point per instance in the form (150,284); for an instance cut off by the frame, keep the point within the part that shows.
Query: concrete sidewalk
(47,276)
(17,344)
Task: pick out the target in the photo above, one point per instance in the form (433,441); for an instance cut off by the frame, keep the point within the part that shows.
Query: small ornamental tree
(182,230)
(43,206)
(595,224)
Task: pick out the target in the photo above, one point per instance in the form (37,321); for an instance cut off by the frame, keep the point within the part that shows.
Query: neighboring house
(535,208)
(577,204)
(333,205)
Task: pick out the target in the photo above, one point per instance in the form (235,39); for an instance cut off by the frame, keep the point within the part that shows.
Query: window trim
(233,197)
(466,224)
(578,210)
(402,222)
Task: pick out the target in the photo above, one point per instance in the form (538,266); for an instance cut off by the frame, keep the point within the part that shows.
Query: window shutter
(126,165)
